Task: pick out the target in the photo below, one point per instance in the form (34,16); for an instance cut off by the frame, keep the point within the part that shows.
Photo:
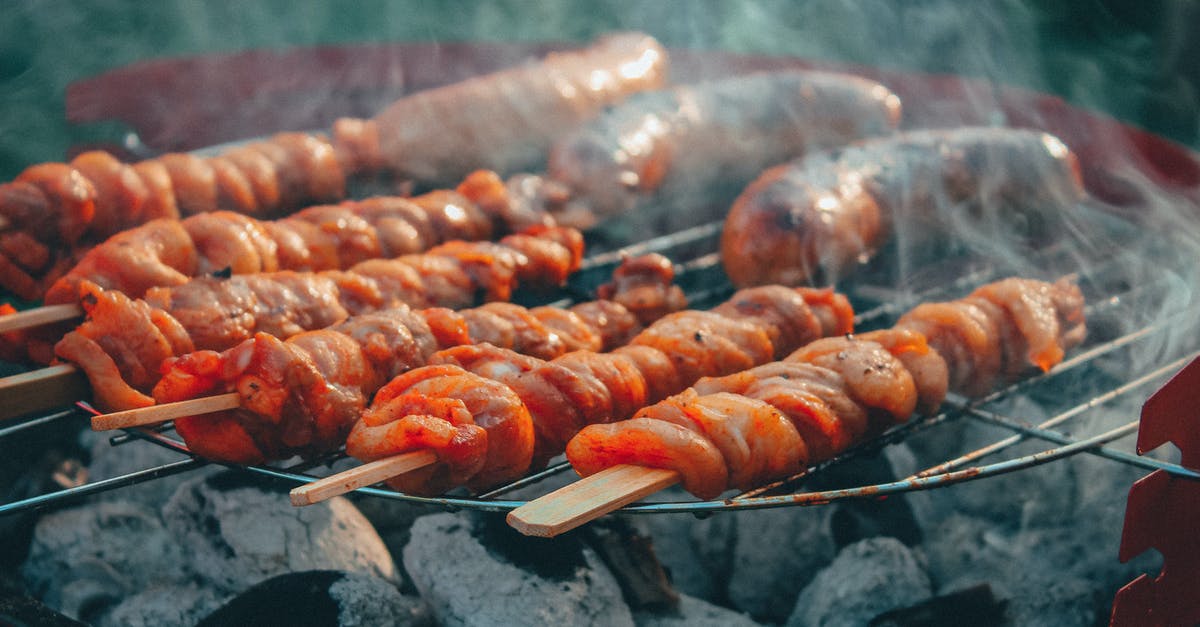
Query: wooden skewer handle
(155,414)
(367,474)
(588,499)
(38,316)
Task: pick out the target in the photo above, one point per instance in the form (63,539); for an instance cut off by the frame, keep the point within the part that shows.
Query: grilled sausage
(506,120)
(690,149)
(816,218)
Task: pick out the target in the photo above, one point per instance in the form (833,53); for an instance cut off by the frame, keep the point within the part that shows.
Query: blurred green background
(1134,60)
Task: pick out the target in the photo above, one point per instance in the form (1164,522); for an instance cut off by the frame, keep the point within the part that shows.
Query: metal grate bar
(1042,429)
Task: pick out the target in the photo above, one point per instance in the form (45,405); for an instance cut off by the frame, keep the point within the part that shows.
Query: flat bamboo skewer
(588,499)
(308,494)
(155,414)
(39,390)
(367,474)
(39,316)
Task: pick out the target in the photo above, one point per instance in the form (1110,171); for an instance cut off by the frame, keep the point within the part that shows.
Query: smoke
(1132,64)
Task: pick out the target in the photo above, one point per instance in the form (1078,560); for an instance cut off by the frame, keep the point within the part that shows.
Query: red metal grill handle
(1162,512)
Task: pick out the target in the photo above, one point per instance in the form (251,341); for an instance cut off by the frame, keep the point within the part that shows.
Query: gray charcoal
(864,580)
(1045,600)
(962,550)
(693,612)
(84,559)
(776,553)
(321,598)
(675,543)
(475,570)
(236,534)
(163,606)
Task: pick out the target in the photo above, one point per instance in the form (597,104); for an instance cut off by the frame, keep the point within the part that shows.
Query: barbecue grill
(1133,268)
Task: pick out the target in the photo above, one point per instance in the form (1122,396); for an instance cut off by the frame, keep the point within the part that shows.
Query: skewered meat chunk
(488,405)
(687,148)
(581,388)
(295,393)
(217,314)
(1001,329)
(819,216)
(725,432)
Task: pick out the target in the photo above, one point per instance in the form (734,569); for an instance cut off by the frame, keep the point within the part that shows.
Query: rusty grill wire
(1118,290)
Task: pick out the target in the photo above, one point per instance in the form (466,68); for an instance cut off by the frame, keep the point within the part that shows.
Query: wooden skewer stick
(39,316)
(155,414)
(588,499)
(367,474)
(40,390)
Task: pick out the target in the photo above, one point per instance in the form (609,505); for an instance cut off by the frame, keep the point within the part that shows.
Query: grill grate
(1129,306)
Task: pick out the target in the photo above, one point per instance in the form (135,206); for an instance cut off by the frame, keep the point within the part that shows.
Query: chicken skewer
(123,342)
(434,407)
(302,395)
(165,253)
(772,421)
(54,210)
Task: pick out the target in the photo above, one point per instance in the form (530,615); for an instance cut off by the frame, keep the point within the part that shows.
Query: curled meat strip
(769,422)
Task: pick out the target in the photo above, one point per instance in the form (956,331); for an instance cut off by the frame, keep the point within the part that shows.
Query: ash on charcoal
(677,539)
(975,606)
(775,554)
(865,580)
(319,598)
(473,572)
(84,559)
(693,612)
(237,535)
(163,606)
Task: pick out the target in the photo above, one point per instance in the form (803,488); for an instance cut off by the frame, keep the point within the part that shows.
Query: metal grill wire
(1117,296)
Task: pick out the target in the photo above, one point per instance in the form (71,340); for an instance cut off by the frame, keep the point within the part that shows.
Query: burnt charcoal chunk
(16,609)
(162,606)
(467,578)
(237,535)
(83,560)
(865,580)
(693,612)
(318,598)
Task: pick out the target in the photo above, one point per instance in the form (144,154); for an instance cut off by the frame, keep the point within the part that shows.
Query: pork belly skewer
(411,415)
(770,422)
(124,341)
(302,395)
(501,120)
